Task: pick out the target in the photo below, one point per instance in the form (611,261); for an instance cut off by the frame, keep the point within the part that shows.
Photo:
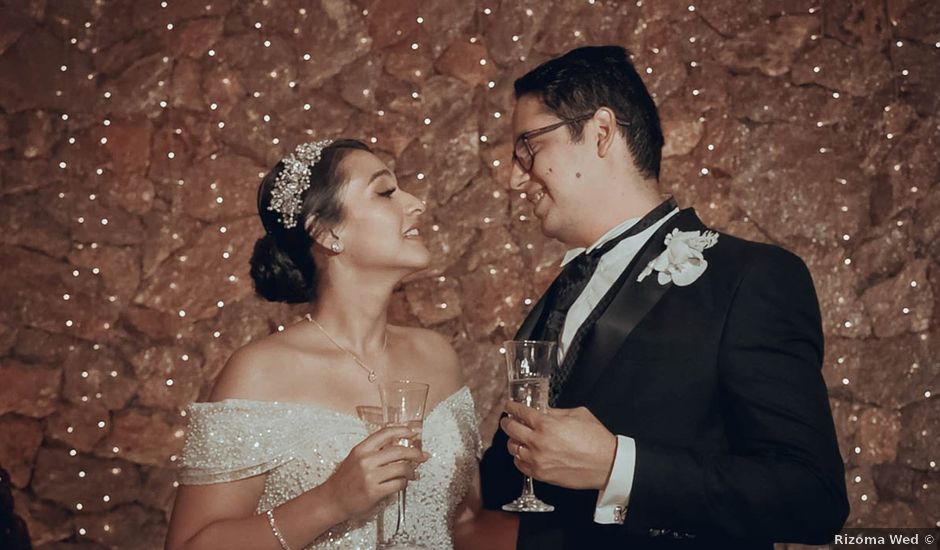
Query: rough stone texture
(132,133)
(902,304)
(30,390)
(215,189)
(144,437)
(130,526)
(82,483)
(169,377)
(158,487)
(47,521)
(28,223)
(209,279)
(79,426)
(97,374)
(19,440)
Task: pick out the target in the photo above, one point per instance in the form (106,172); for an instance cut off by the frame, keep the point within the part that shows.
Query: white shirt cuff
(613,499)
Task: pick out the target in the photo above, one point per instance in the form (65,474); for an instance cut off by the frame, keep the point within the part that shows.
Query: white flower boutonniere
(682,262)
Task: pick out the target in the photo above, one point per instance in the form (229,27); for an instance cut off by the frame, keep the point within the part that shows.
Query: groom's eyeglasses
(522,153)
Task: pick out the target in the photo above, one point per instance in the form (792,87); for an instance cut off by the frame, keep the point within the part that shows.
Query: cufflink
(620,514)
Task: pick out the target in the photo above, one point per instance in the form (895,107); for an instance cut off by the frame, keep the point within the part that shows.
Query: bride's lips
(412,233)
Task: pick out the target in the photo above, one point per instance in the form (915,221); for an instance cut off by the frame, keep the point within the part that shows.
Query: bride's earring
(336,247)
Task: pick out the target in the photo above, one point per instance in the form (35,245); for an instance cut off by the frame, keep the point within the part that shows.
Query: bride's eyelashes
(389,192)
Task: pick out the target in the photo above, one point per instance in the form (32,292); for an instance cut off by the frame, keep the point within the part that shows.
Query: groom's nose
(518,178)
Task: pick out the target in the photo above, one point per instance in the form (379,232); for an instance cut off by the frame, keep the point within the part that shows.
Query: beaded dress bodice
(298,446)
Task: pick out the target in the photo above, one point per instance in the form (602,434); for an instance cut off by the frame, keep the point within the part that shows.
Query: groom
(688,406)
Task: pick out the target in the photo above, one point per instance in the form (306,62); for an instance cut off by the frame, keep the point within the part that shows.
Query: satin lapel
(632,301)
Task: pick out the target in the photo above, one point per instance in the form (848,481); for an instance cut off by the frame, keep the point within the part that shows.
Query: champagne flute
(403,404)
(372,417)
(529,365)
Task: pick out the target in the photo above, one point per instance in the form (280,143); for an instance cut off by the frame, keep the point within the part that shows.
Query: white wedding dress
(299,446)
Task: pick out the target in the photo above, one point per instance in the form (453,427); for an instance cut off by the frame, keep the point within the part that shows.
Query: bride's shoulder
(434,349)
(425,341)
(248,373)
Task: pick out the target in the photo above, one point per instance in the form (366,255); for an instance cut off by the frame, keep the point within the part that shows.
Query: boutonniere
(682,262)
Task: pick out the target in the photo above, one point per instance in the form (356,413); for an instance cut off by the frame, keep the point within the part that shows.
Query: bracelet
(276,531)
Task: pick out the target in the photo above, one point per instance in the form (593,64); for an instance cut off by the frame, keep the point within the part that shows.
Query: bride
(277,458)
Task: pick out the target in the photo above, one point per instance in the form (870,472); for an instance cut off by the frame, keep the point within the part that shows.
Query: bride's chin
(417,270)
(422,265)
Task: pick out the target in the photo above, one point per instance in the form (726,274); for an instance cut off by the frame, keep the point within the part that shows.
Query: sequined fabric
(299,446)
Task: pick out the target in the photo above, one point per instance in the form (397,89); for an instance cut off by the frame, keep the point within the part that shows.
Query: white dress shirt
(612,500)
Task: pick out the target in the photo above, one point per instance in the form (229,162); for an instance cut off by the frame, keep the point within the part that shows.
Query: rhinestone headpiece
(294,179)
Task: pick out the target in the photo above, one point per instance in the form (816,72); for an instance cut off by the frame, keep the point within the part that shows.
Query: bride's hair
(282,265)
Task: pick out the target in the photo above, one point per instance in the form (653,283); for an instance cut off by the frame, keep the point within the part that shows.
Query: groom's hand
(565,447)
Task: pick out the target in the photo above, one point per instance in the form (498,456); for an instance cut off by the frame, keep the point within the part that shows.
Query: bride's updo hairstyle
(282,265)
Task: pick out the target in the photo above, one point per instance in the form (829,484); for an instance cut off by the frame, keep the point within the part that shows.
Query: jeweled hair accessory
(294,179)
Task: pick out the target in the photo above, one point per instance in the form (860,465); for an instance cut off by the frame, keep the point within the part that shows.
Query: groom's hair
(586,79)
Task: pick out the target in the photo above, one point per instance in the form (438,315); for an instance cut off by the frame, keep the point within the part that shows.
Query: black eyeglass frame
(526,136)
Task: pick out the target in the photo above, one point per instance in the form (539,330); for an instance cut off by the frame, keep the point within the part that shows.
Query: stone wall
(133,134)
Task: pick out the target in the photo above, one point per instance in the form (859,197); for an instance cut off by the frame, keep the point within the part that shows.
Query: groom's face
(558,184)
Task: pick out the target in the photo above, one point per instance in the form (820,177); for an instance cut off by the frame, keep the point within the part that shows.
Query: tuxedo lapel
(618,313)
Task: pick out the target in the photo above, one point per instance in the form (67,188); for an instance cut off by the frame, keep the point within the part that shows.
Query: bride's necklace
(372,375)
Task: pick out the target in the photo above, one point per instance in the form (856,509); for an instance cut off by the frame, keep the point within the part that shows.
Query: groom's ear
(606,123)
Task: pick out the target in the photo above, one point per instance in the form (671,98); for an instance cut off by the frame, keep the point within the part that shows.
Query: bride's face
(380,229)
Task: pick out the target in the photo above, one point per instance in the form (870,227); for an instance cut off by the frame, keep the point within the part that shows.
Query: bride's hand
(374,469)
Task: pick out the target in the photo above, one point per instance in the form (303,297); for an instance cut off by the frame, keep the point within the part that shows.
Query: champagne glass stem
(528,490)
(400,529)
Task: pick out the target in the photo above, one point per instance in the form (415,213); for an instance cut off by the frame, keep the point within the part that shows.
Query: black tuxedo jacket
(719,384)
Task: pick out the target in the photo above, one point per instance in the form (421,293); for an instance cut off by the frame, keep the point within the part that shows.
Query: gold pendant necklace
(372,375)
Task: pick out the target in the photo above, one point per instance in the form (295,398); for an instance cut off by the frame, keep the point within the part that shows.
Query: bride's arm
(477,527)
(222,515)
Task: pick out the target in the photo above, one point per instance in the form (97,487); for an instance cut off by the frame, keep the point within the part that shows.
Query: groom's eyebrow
(379,174)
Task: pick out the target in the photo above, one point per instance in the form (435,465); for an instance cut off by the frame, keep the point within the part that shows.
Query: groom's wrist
(614,498)
(606,464)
